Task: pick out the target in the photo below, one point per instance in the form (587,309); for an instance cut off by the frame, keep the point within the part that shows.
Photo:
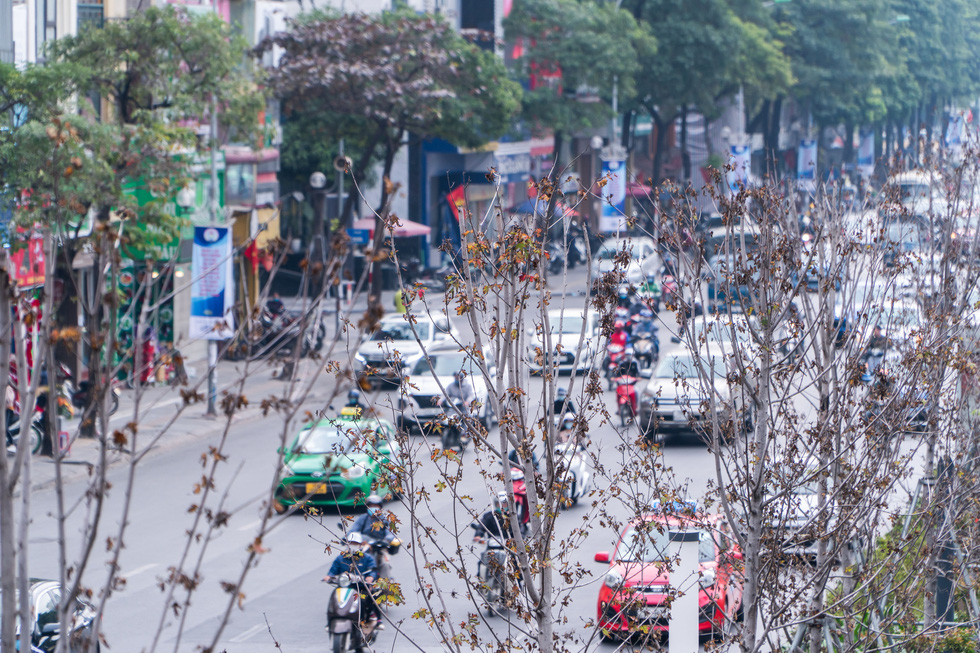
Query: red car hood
(647,573)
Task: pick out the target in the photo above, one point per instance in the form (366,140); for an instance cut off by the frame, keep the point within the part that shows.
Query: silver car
(397,345)
(423,398)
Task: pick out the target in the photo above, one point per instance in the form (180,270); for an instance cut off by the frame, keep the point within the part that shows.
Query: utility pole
(212,343)
(340,213)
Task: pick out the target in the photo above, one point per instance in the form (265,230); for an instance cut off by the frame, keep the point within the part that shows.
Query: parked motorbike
(277,331)
(556,257)
(344,625)
(36,429)
(574,472)
(79,398)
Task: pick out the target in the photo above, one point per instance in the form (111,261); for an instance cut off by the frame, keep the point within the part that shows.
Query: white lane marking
(249,526)
(140,570)
(248,634)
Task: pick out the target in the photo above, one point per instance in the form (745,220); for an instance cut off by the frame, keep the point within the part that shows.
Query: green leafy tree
(594,46)
(387,76)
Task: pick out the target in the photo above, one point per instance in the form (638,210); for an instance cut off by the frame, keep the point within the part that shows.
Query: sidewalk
(158,406)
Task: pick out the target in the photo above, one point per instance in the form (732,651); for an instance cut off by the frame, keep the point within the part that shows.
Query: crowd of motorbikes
(277,331)
(634,346)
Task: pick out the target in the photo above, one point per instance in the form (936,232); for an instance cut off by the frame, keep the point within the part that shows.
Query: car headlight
(707,579)
(286,471)
(359,357)
(613,580)
(353,472)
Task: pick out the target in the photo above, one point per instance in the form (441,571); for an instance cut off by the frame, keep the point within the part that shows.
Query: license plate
(648,614)
(316,488)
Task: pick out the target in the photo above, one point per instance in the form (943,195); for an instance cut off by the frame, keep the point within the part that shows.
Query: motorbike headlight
(613,580)
(707,579)
(353,472)
(344,580)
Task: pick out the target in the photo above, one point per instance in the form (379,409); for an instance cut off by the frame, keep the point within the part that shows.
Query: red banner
(29,263)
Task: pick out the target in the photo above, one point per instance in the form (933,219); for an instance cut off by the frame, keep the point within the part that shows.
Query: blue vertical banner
(741,160)
(866,153)
(212,285)
(806,164)
(613,216)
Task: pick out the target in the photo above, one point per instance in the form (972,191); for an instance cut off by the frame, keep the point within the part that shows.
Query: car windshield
(652,545)
(716,333)
(898,232)
(566,324)
(608,252)
(402,331)
(685,367)
(914,191)
(323,439)
(442,364)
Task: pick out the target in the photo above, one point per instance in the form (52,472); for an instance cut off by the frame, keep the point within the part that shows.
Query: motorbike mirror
(675,339)
(646,374)
(602,556)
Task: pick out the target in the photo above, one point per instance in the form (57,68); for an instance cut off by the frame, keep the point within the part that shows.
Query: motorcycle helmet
(374,501)
(646,313)
(561,393)
(624,292)
(356,539)
(619,324)
(354,395)
(568,421)
(500,501)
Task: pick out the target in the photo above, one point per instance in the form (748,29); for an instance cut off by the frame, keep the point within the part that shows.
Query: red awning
(404,229)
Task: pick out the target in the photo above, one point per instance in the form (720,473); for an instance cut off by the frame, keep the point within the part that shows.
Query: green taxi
(338,461)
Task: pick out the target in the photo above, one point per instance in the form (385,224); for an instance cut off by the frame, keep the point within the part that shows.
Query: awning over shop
(404,229)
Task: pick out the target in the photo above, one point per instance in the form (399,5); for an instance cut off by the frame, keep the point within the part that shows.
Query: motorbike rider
(495,522)
(569,433)
(357,560)
(563,405)
(371,524)
(354,400)
(623,296)
(646,329)
(461,389)
(619,336)
(651,291)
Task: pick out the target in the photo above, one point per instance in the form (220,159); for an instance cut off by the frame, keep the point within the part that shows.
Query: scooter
(455,428)
(347,631)
(573,472)
(616,355)
(495,583)
(626,400)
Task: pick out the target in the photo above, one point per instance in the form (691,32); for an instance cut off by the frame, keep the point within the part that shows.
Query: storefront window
(240,183)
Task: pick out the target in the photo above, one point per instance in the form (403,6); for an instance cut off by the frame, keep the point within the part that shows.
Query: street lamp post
(317,256)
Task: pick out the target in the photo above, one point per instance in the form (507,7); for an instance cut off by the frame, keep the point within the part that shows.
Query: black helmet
(354,395)
(374,500)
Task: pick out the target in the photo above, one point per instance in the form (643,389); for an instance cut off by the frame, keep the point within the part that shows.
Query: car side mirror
(51,629)
(675,339)
(646,374)
(602,556)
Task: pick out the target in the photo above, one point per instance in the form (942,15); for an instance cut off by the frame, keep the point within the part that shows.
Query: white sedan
(423,391)
(397,345)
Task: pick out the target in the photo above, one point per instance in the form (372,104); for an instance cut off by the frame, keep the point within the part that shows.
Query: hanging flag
(212,285)
(806,163)
(741,160)
(613,217)
(866,153)
(457,200)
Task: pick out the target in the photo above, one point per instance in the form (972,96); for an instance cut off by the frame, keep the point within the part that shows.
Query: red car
(634,593)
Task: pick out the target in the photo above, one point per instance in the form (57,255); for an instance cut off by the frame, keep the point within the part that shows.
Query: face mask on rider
(372,510)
